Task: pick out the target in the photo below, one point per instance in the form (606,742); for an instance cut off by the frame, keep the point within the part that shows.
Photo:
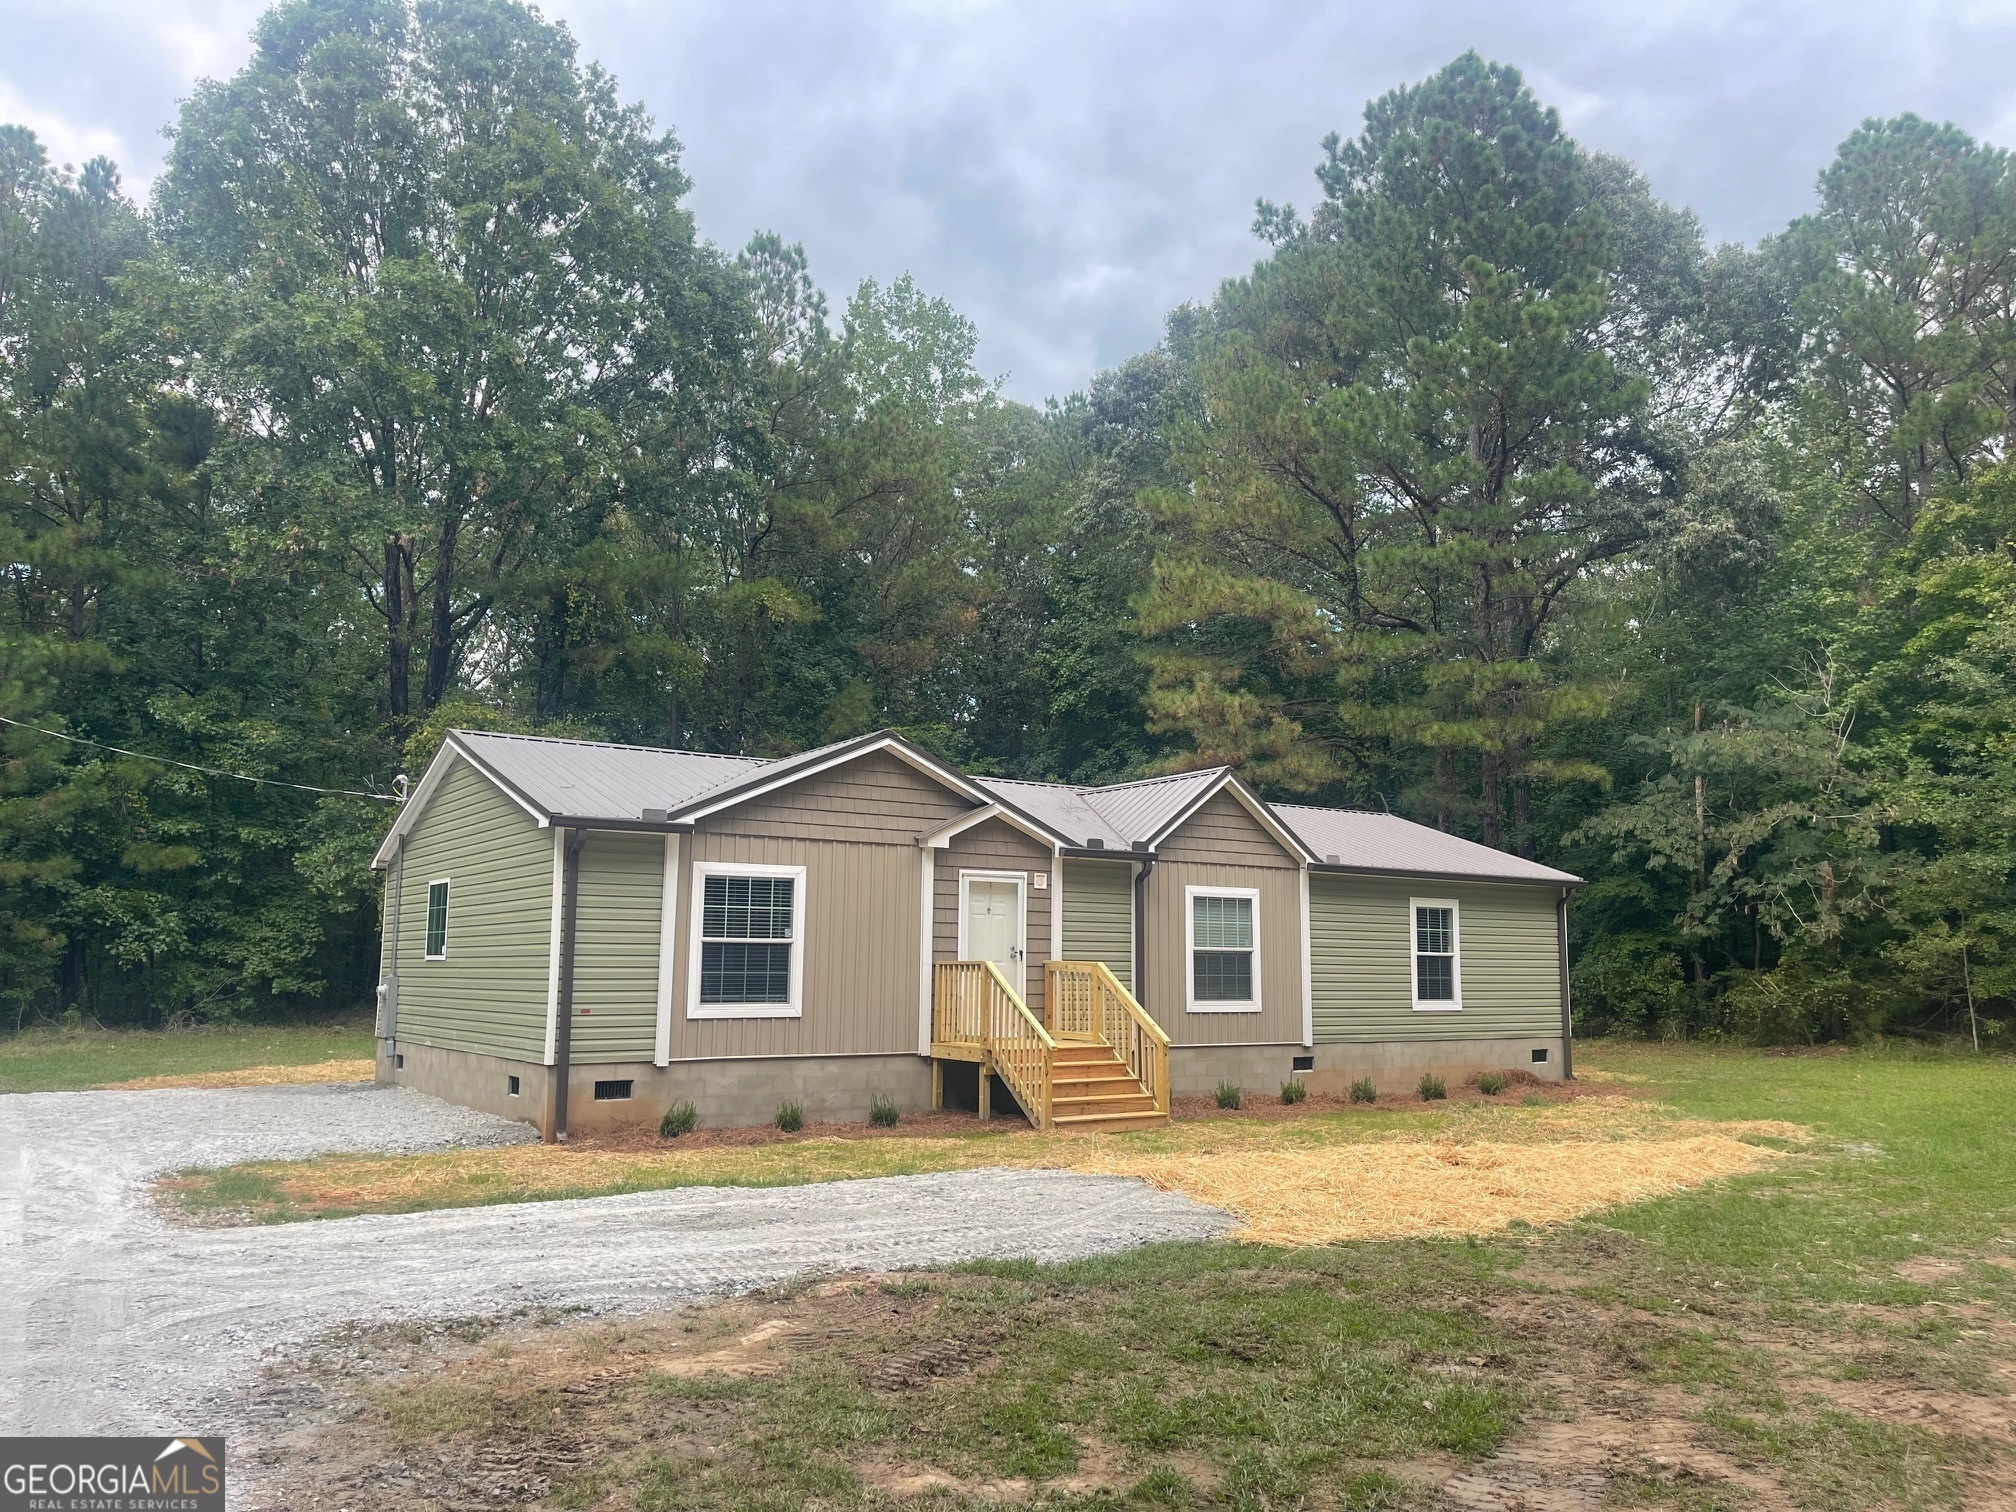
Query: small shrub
(1229,1096)
(790,1117)
(1490,1083)
(1362,1090)
(1433,1088)
(1293,1092)
(680,1118)
(882,1111)
(1534,1100)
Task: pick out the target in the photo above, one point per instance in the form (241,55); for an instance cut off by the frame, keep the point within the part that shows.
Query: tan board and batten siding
(854,830)
(1223,845)
(1361,955)
(1099,915)
(994,847)
(490,994)
(616,947)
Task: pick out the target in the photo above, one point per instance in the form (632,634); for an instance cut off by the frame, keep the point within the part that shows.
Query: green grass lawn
(1836,1332)
(69,1060)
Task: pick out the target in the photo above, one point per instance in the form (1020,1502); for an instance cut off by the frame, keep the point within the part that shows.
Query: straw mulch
(257,1076)
(1554,1168)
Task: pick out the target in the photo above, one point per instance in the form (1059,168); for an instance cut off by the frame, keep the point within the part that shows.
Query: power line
(190,766)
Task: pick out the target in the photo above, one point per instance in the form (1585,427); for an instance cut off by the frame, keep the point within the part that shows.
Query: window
(1224,958)
(1539,1057)
(748,941)
(1438,978)
(437,920)
(612,1091)
(511,1086)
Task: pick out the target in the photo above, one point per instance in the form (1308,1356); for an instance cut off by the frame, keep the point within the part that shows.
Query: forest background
(1493,497)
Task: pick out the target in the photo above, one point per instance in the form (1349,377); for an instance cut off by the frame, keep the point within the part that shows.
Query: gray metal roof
(591,780)
(1384,842)
(1064,810)
(586,779)
(1142,810)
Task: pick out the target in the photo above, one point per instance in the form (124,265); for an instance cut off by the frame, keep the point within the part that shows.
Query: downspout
(1146,861)
(563,1028)
(1567,1014)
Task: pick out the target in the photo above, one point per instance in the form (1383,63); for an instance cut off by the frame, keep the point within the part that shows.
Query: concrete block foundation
(726,1093)
(1394,1066)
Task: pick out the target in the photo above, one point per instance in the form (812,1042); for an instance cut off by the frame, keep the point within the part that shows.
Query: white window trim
(427,922)
(1190,897)
(1021,881)
(668,952)
(795,1008)
(1455,956)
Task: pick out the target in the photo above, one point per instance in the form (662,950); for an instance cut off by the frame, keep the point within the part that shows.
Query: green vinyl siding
(489,995)
(1361,961)
(616,948)
(1099,915)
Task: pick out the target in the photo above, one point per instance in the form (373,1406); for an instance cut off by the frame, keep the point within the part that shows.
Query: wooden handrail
(975,1007)
(1084,1000)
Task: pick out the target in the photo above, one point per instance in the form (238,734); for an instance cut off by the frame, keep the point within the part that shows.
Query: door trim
(1021,881)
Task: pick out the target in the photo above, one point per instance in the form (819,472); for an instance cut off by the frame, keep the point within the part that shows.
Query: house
(581,934)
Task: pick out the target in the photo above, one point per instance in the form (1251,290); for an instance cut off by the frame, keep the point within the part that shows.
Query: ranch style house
(581,935)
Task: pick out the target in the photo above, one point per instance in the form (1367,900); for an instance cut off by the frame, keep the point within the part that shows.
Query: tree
(1911,305)
(429,268)
(1419,441)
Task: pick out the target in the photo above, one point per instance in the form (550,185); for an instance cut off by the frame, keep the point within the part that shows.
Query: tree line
(1493,496)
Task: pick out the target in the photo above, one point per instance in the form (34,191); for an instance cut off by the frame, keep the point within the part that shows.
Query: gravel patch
(113,1322)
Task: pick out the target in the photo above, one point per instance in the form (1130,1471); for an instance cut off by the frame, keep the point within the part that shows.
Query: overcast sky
(1066,173)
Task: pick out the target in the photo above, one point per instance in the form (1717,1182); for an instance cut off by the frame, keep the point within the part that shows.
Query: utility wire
(190,766)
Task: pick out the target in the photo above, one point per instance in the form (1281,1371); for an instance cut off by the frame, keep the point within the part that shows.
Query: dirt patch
(321,1073)
(1930,1270)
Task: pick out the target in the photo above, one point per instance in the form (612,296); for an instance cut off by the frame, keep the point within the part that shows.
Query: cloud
(1068,172)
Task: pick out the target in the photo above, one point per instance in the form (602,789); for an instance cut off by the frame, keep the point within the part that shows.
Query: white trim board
(1308,971)
(668,950)
(1191,894)
(795,1006)
(941,837)
(553,946)
(926,927)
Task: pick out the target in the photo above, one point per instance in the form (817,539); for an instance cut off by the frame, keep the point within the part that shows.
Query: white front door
(993,923)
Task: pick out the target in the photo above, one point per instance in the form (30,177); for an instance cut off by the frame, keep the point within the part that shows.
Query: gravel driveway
(112,1322)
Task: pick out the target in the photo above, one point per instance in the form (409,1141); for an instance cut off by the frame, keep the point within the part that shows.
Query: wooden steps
(1098,1063)
(1091,1090)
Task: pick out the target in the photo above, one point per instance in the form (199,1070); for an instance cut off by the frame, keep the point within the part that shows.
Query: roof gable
(773,775)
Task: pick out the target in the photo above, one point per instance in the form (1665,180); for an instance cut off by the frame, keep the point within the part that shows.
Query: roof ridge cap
(1109,787)
(609,745)
(1067,787)
(1325,808)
